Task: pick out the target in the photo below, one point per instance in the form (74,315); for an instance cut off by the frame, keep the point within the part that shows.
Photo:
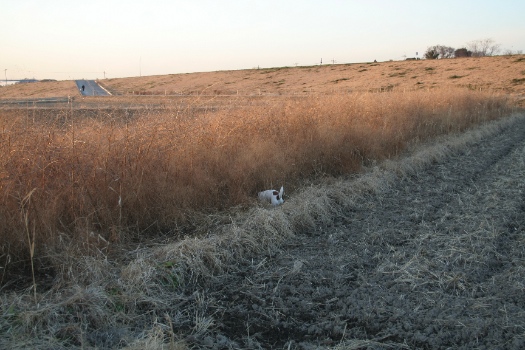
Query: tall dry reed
(99,177)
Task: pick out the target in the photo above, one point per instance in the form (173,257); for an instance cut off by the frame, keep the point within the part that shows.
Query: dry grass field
(496,74)
(116,174)
(122,215)
(39,90)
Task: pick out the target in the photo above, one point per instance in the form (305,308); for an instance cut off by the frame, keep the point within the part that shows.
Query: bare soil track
(434,261)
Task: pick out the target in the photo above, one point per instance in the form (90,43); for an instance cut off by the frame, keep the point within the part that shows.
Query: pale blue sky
(65,39)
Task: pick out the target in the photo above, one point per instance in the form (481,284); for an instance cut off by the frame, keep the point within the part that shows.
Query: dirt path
(435,261)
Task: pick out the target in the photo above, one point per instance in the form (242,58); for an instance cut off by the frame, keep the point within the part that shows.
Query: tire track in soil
(435,261)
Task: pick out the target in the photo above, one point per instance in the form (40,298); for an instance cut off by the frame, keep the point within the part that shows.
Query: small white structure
(272,196)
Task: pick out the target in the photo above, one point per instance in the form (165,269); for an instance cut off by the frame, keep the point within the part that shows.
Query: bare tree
(431,53)
(439,51)
(509,52)
(483,47)
(445,51)
(463,52)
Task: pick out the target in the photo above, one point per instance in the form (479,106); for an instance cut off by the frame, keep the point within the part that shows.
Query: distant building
(22,81)
(16,81)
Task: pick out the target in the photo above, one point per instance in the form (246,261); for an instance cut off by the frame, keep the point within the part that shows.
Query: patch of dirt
(435,261)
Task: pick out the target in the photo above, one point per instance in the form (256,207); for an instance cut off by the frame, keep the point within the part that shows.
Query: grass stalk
(25,204)
(113,172)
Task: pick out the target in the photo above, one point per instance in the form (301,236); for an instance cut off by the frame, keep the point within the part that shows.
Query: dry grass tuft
(85,181)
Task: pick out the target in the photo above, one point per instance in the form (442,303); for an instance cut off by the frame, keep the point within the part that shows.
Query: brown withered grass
(94,178)
(41,89)
(503,74)
(131,199)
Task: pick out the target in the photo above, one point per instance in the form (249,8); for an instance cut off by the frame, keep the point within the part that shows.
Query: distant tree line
(476,48)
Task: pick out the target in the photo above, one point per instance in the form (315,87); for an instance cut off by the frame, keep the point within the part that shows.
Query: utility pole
(104,74)
(5,72)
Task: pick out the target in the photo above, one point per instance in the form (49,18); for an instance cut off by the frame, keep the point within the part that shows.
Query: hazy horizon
(64,40)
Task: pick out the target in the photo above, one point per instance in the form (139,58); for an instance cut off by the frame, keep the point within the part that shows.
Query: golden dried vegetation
(81,183)
(501,74)
(110,175)
(101,171)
